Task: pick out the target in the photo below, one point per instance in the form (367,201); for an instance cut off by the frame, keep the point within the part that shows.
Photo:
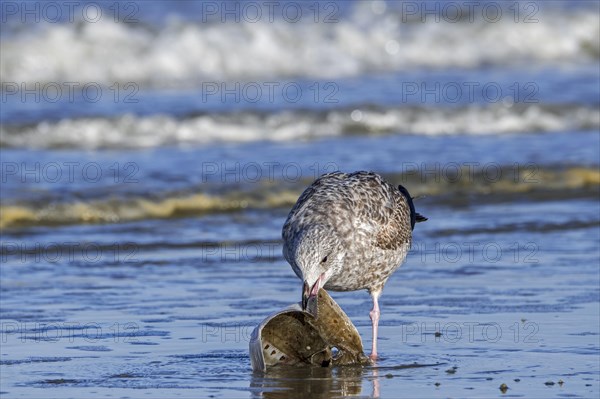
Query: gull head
(316,256)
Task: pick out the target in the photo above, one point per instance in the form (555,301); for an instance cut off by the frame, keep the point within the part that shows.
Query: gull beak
(310,297)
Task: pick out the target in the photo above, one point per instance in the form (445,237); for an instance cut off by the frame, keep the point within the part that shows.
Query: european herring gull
(349,232)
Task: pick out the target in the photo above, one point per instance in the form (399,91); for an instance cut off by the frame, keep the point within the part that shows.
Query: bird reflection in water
(324,382)
(315,382)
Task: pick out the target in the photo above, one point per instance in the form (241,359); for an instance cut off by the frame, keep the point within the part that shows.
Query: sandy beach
(141,230)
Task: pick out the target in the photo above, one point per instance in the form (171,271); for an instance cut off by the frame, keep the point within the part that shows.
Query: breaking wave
(131,131)
(544,182)
(370,38)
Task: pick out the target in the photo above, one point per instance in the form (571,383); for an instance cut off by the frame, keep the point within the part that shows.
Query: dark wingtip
(414,216)
(404,191)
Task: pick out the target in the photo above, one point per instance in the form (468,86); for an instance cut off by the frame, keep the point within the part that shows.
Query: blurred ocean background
(151,150)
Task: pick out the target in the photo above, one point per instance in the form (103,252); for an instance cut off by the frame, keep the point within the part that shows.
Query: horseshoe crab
(292,337)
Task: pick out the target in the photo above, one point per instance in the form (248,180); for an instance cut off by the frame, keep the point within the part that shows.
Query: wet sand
(178,318)
(141,240)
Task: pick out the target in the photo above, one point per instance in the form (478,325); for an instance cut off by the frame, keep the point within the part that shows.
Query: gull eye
(324,260)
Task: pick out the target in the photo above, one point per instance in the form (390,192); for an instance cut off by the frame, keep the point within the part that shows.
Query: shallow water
(176,313)
(141,269)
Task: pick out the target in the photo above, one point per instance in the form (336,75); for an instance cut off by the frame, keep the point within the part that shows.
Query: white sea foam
(131,131)
(179,53)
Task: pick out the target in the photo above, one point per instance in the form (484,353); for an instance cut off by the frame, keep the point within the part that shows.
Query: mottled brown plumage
(349,232)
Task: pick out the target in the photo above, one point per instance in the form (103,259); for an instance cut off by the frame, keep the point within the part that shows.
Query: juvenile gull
(349,232)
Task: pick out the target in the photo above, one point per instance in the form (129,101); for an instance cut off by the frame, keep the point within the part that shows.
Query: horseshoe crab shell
(293,337)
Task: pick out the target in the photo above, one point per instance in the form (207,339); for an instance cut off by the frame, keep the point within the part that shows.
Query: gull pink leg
(375,322)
